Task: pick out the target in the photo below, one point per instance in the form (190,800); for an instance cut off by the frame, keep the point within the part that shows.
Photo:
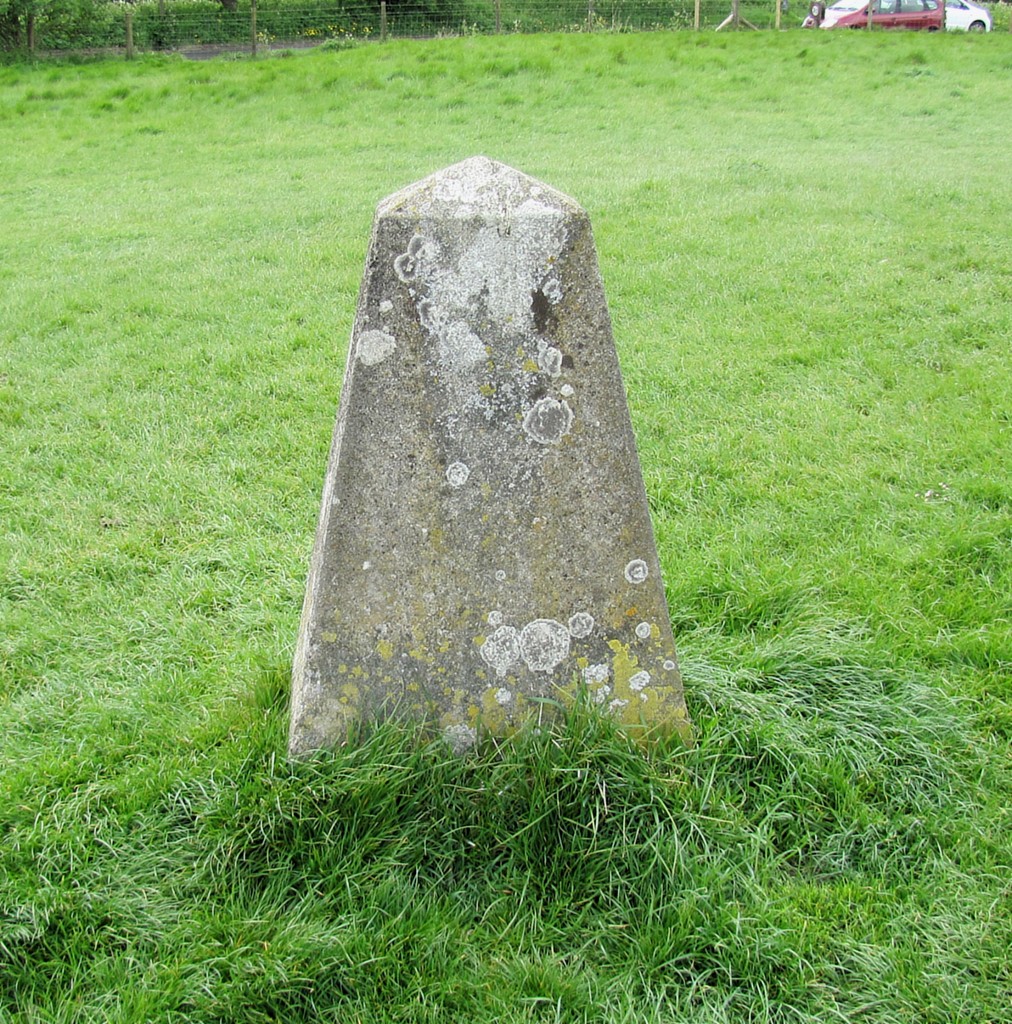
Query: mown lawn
(806,244)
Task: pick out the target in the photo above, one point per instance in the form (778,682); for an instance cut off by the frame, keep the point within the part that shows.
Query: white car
(964,16)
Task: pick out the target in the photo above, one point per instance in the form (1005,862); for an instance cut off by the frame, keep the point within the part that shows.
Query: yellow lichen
(623,667)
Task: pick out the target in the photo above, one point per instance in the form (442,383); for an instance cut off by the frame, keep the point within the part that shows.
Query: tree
(12,14)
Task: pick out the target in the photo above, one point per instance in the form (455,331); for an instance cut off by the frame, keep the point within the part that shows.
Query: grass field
(806,244)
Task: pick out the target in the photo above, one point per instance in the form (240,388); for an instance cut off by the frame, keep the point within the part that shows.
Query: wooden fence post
(31,33)
(776,20)
(253,27)
(498,17)
(590,15)
(383,21)
(129,33)
(734,19)
(695,19)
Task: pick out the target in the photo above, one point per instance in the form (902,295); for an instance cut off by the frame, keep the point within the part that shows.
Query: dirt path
(207,51)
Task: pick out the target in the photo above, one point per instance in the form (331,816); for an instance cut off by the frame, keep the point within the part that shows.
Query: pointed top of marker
(479,188)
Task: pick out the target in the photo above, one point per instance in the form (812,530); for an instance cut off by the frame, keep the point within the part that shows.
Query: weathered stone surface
(484,538)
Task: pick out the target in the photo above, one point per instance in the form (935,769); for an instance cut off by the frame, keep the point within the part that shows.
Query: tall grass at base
(805,251)
(790,866)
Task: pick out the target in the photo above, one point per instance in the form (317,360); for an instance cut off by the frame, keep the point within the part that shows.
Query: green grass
(805,242)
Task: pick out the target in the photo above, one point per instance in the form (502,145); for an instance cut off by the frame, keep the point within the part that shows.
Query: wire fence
(206,27)
(147,25)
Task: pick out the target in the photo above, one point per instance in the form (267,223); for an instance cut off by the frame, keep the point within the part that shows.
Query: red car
(924,14)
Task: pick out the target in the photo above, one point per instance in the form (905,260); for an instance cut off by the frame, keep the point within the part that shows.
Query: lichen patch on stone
(548,421)
(460,347)
(457,474)
(375,346)
(638,680)
(544,644)
(637,571)
(501,651)
(549,359)
(595,674)
(581,624)
(460,737)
